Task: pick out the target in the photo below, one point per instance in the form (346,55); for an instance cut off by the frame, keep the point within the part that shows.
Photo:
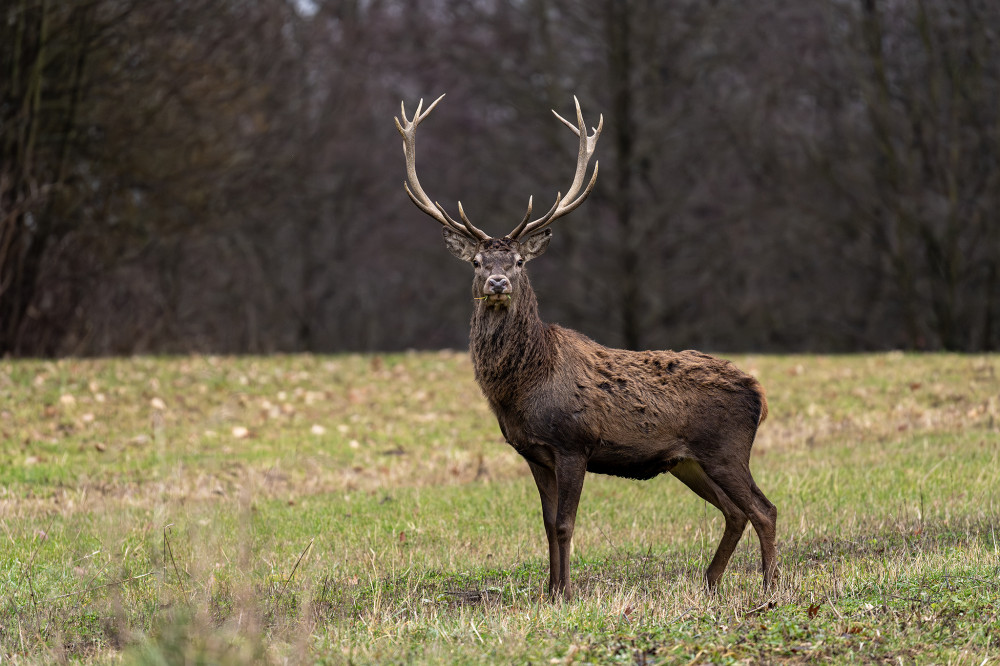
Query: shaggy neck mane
(509,345)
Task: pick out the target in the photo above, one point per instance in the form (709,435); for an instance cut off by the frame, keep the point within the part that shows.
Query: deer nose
(497,284)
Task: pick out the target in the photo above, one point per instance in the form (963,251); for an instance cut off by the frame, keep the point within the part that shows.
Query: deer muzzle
(497,284)
(497,291)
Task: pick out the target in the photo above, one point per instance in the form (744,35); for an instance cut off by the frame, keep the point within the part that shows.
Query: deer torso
(634,414)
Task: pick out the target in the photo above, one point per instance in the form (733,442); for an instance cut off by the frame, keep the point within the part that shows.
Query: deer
(569,405)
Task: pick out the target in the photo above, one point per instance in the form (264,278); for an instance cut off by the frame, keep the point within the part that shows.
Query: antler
(416,193)
(566,204)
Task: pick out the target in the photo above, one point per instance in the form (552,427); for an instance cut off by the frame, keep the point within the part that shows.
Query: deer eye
(520,262)
(475,264)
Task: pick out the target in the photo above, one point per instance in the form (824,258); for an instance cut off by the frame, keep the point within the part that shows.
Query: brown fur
(569,405)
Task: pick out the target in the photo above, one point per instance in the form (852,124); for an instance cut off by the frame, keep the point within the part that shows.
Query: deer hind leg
(766,532)
(737,482)
(695,478)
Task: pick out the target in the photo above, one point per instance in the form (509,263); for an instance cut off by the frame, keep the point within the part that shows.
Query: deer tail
(763,402)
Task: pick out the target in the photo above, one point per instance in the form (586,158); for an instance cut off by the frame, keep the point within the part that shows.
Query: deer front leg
(545,480)
(569,474)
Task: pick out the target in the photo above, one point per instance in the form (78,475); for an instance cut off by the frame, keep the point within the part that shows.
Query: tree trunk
(623,127)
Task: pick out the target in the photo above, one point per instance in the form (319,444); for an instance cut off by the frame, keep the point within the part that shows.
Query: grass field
(366,509)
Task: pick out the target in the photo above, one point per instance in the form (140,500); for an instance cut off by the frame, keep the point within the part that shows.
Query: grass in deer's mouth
(495,299)
(366,508)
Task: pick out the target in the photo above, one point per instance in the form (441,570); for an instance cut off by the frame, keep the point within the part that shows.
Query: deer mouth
(497,300)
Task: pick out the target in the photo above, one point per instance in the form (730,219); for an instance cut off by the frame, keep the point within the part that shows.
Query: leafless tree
(202,175)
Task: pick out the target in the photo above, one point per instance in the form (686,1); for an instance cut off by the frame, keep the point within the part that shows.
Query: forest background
(224,175)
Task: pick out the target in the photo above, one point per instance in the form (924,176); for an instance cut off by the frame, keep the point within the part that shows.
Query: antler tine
(408,129)
(525,229)
(482,235)
(520,227)
(568,203)
(450,220)
(467,228)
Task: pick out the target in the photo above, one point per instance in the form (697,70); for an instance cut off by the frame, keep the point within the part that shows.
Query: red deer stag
(570,406)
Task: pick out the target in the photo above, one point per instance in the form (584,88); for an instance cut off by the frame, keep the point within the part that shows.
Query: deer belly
(633,462)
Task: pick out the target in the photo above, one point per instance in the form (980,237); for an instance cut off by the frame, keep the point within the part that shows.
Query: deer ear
(534,246)
(459,245)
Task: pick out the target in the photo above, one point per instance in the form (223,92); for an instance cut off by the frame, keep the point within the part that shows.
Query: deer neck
(509,346)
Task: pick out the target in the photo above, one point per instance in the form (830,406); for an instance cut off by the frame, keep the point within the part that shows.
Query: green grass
(365,509)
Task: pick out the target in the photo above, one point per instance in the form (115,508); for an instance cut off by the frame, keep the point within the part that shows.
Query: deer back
(633,414)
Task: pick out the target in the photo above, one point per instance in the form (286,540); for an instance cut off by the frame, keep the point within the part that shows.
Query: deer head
(498,262)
